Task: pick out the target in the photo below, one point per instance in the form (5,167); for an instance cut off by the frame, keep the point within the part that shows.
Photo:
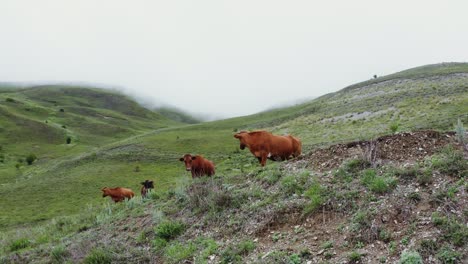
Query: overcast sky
(226,58)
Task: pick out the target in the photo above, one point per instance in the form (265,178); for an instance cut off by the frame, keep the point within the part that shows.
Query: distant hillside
(177,115)
(39,120)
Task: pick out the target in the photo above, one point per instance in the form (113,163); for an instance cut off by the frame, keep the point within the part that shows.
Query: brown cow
(198,165)
(147,185)
(265,145)
(117,194)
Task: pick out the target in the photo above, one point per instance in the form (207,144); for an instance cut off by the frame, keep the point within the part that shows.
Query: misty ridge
(151,102)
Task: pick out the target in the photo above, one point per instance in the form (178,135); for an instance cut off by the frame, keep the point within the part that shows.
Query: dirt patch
(401,147)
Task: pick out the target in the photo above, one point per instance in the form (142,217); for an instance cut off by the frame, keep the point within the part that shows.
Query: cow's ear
(237,135)
(103,188)
(193,158)
(142,183)
(181,159)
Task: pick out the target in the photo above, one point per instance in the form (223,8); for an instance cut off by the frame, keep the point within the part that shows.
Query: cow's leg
(263,160)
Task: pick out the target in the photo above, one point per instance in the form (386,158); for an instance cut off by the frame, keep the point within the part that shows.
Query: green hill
(111,152)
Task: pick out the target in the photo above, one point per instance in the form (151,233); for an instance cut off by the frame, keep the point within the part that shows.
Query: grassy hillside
(121,154)
(39,120)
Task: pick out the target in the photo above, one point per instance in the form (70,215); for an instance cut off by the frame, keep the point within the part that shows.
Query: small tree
(30,158)
(68,140)
(375,76)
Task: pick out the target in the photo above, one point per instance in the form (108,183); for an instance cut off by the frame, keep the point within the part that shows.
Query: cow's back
(202,166)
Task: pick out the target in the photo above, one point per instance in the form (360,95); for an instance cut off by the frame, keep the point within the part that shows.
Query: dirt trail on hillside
(401,147)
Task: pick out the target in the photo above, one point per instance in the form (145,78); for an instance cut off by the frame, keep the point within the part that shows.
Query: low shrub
(30,158)
(354,257)
(448,256)
(410,257)
(234,253)
(168,230)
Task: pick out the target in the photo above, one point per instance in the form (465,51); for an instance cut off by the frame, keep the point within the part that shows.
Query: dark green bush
(169,230)
(30,158)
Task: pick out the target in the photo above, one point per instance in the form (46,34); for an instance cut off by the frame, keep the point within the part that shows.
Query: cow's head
(241,136)
(187,159)
(148,184)
(105,191)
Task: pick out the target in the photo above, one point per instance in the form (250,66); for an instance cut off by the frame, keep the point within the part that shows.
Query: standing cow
(147,185)
(198,165)
(265,145)
(117,194)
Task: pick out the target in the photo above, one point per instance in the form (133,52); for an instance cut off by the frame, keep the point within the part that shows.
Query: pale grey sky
(226,58)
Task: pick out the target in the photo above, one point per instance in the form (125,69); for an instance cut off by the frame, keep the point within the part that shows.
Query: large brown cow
(117,194)
(265,145)
(198,165)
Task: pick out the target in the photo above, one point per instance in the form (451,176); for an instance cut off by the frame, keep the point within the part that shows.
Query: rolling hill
(116,142)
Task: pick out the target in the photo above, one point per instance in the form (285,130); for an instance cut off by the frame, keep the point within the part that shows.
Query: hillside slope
(365,209)
(432,97)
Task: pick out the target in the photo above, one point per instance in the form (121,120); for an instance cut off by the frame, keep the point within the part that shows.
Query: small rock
(320,252)
(212,257)
(315,238)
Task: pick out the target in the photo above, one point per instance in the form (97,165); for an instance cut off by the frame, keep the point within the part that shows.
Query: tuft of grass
(424,177)
(234,253)
(450,161)
(354,257)
(59,254)
(453,232)
(19,244)
(316,194)
(327,244)
(176,252)
(98,256)
(377,184)
(294,184)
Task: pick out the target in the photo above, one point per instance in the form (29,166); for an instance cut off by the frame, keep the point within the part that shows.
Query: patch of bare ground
(401,147)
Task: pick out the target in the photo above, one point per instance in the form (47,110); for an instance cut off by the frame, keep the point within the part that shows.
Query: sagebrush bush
(410,257)
(168,230)
(424,177)
(449,256)
(211,195)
